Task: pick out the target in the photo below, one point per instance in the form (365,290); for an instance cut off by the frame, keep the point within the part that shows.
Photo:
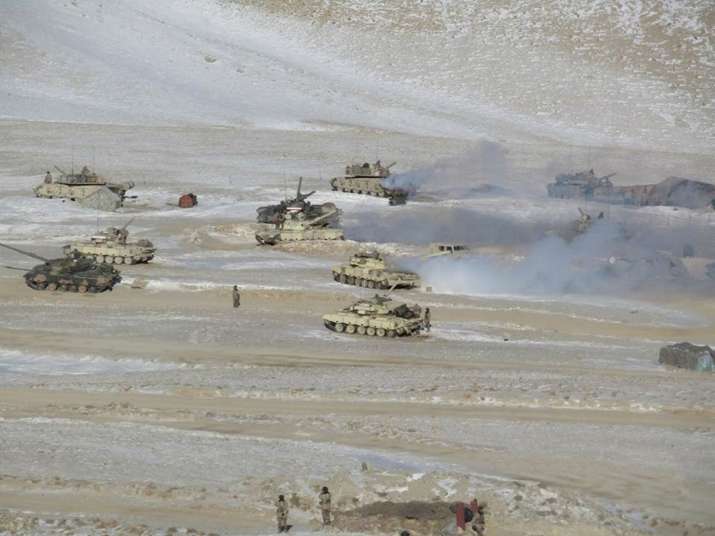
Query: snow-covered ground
(601,73)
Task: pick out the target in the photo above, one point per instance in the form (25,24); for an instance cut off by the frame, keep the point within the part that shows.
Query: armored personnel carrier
(85,187)
(582,185)
(68,274)
(379,316)
(368,179)
(298,220)
(368,269)
(111,246)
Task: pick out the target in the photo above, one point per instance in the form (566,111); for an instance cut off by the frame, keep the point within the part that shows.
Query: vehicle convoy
(111,246)
(68,274)
(378,316)
(85,187)
(297,220)
(368,269)
(369,179)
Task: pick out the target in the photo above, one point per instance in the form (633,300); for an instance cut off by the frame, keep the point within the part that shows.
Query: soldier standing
(282,514)
(324,500)
(428,319)
(236,297)
(48,178)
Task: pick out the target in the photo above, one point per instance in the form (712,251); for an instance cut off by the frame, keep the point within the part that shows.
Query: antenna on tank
(72,152)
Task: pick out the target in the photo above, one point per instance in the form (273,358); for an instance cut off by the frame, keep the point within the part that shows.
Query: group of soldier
(324,501)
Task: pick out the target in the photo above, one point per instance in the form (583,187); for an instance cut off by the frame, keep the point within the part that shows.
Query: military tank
(68,274)
(275,214)
(368,269)
(369,179)
(582,185)
(378,316)
(298,220)
(111,246)
(85,187)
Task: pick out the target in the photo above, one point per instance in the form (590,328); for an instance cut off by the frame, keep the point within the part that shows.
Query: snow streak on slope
(131,61)
(632,72)
(590,72)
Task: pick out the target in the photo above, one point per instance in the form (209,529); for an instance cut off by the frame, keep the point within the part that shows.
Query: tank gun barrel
(325,216)
(43,259)
(390,166)
(60,170)
(16,268)
(609,176)
(128,223)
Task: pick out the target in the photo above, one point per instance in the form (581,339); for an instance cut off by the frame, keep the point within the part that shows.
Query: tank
(275,214)
(582,185)
(379,316)
(368,179)
(69,274)
(80,186)
(112,246)
(297,220)
(368,269)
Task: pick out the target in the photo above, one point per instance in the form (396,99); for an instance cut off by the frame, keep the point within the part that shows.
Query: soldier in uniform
(282,514)
(236,297)
(324,500)
(428,319)
(48,178)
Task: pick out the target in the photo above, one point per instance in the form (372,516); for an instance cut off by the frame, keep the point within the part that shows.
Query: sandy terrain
(165,407)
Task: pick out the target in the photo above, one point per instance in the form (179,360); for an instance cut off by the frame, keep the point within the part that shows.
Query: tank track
(376,193)
(120,259)
(359,281)
(354,329)
(81,287)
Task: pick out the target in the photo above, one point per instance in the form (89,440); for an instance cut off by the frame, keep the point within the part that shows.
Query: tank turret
(275,213)
(69,274)
(378,316)
(298,220)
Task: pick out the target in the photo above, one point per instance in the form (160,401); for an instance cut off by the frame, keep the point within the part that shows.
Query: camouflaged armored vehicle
(68,274)
(379,316)
(275,214)
(298,220)
(369,179)
(111,246)
(582,185)
(368,269)
(85,187)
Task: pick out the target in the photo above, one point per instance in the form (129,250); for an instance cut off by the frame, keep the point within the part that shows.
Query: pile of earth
(418,517)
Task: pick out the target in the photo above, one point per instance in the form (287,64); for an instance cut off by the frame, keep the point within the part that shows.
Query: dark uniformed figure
(48,178)
(236,297)
(282,514)
(428,319)
(324,500)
